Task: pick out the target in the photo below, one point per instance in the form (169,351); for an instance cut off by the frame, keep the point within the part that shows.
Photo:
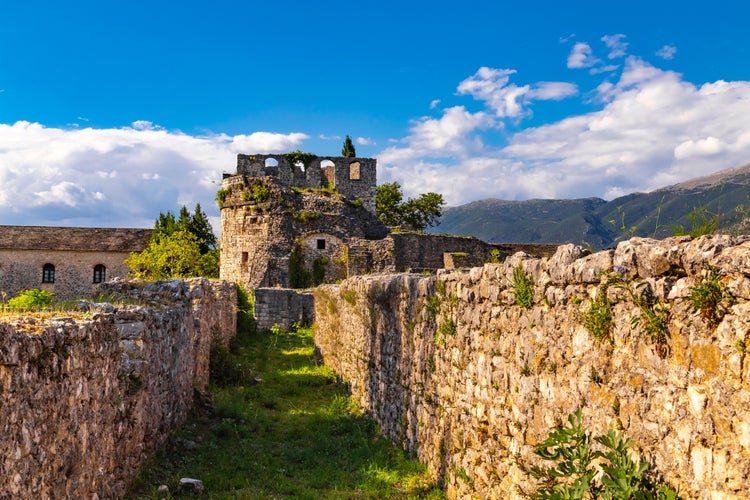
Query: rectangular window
(354,173)
(321,244)
(244,258)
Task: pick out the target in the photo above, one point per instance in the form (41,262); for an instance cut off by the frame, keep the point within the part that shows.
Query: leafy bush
(221,196)
(580,471)
(711,298)
(260,193)
(524,288)
(28,299)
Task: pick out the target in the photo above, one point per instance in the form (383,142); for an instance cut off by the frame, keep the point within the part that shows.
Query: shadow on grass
(283,429)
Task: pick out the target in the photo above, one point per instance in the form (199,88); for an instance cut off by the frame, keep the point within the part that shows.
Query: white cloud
(453,134)
(267,142)
(434,103)
(117,176)
(144,125)
(581,56)
(652,129)
(667,52)
(616,45)
(364,141)
(507,99)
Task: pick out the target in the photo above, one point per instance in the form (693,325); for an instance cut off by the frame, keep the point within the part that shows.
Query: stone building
(67,261)
(297,220)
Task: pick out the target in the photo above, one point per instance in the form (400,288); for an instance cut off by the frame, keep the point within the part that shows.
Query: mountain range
(720,201)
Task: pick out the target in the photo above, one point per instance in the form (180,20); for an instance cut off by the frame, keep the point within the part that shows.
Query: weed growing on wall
(653,316)
(710,298)
(598,317)
(523,287)
(586,466)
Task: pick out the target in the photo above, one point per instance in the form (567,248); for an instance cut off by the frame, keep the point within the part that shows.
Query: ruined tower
(290,220)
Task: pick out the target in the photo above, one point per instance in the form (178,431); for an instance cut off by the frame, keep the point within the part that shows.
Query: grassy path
(281,427)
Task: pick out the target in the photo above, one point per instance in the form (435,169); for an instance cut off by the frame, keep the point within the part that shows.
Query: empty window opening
(321,244)
(244,259)
(100,273)
(48,273)
(271,162)
(328,179)
(354,171)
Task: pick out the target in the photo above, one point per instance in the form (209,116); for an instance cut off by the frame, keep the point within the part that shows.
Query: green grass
(294,434)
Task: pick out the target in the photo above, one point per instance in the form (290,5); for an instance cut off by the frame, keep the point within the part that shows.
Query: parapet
(354,178)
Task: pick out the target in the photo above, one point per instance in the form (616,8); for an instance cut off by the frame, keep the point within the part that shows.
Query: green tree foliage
(175,256)
(28,299)
(348,149)
(180,247)
(416,213)
(196,223)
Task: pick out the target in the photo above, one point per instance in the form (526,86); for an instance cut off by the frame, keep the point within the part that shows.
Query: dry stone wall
(82,402)
(455,371)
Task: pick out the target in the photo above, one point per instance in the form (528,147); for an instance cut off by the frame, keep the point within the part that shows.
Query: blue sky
(111,112)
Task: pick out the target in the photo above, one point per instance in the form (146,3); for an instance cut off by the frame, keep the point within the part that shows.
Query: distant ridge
(599,223)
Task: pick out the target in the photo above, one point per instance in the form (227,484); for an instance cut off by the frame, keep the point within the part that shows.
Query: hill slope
(722,198)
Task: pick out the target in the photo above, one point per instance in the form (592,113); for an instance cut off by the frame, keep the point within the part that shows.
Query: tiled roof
(92,239)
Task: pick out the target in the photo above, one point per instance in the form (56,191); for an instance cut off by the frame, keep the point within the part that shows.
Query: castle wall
(452,369)
(282,307)
(74,271)
(354,178)
(84,401)
(258,233)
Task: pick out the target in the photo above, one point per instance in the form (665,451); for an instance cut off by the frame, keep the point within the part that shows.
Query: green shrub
(305,216)
(261,193)
(32,298)
(583,470)
(524,288)
(221,196)
(320,264)
(710,297)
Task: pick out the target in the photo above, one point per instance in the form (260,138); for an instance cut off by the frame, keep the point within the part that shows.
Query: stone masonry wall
(74,271)
(282,307)
(451,368)
(82,402)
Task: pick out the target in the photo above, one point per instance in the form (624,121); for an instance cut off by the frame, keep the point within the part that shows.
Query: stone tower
(290,220)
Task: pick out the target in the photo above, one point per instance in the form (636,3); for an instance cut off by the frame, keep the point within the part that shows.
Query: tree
(181,247)
(196,224)
(175,256)
(348,149)
(415,213)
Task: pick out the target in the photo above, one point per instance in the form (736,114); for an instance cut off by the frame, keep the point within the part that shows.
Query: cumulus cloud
(667,52)
(117,176)
(267,142)
(581,56)
(653,129)
(365,141)
(508,99)
(616,44)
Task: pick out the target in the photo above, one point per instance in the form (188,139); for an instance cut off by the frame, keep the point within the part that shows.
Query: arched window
(328,179)
(271,162)
(48,273)
(100,273)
